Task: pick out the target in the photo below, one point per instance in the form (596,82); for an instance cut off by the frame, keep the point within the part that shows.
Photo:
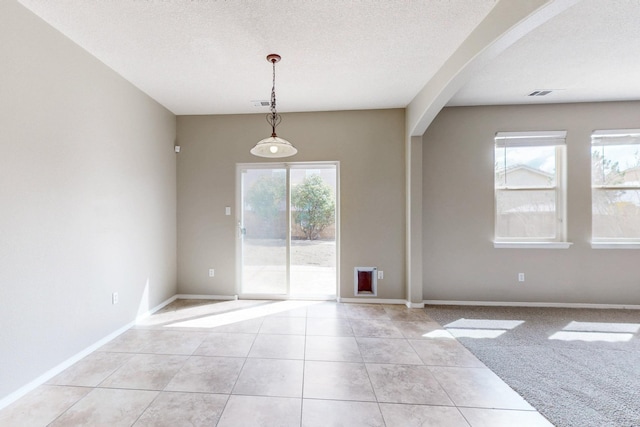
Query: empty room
(288,213)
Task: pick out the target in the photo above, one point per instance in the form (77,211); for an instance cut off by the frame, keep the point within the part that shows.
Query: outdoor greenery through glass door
(288,238)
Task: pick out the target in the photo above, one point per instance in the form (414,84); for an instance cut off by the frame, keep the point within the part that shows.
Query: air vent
(261,103)
(540,93)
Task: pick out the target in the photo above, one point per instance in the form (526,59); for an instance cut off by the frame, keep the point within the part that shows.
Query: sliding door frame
(288,166)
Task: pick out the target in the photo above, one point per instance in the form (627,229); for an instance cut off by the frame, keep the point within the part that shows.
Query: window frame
(603,138)
(557,139)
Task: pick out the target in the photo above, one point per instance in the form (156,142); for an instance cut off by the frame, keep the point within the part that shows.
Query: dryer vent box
(365,281)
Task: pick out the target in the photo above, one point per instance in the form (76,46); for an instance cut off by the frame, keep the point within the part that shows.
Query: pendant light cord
(273,89)
(274,118)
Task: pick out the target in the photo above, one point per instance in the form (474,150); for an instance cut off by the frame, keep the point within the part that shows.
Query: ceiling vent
(261,103)
(540,93)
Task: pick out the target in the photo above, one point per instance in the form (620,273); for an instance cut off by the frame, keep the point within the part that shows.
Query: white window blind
(525,139)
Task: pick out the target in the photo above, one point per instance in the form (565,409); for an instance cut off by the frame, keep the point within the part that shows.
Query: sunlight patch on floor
(438,333)
(597,331)
(235,316)
(590,336)
(485,324)
(476,333)
(206,308)
(629,328)
(481,328)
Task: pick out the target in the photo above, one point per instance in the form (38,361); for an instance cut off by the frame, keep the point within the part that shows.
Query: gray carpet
(571,382)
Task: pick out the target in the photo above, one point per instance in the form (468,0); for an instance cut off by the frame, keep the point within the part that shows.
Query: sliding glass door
(288,230)
(264,231)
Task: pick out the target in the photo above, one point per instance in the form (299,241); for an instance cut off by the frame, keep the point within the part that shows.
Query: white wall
(459,261)
(88,199)
(370,148)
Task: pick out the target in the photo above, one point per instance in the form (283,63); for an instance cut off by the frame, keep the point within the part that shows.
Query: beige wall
(460,262)
(88,193)
(368,145)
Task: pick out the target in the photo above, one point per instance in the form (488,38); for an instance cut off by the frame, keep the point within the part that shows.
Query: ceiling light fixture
(274,146)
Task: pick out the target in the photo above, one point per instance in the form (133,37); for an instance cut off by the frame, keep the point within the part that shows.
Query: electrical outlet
(114,298)
(380,274)
(520,277)
(212,272)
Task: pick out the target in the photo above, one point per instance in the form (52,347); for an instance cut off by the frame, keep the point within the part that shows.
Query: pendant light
(274,146)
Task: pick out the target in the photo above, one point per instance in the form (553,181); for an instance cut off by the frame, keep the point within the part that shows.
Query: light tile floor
(270,363)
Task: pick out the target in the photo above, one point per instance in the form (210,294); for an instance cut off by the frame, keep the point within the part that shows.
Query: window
(615,186)
(529,187)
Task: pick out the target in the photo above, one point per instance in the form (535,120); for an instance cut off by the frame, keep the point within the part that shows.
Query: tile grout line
(366,368)
(147,407)
(373,389)
(455,405)
(304,365)
(71,406)
(224,407)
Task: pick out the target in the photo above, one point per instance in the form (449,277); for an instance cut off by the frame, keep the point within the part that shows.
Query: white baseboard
(362,300)
(154,309)
(410,304)
(12,397)
(211,297)
(61,367)
(365,300)
(534,304)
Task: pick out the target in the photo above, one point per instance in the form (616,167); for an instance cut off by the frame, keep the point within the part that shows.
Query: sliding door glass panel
(313,230)
(263,231)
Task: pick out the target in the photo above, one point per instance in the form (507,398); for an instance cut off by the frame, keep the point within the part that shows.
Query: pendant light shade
(273,146)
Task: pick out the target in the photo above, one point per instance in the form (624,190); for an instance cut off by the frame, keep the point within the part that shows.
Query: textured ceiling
(208,56)
(587,53)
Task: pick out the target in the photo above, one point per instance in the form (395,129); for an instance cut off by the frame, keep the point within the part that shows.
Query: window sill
(532,245)
(615,245)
